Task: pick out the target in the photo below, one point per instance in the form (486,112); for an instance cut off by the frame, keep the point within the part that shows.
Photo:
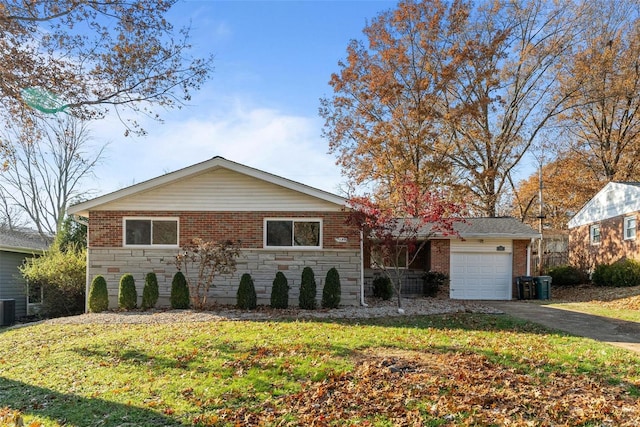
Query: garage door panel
(480,275)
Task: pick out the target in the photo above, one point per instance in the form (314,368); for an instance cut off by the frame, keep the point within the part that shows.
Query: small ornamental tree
(209,259)
(247,298)
(398,232)
(280,291)
(150,292)
(307,298)
(127,294)
(179,292)
(98,295)
(331,291)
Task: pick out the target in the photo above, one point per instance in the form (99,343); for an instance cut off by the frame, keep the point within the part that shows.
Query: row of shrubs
(618,274)
(246,295)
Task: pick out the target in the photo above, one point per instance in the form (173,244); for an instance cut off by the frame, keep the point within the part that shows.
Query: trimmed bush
(432,281)
(307,298)
(247,299)
(567,275)
(127,294)
(98,295)
(280,291)
(619,274)
(331,291)
(179,292)
(382,288)
(150,292)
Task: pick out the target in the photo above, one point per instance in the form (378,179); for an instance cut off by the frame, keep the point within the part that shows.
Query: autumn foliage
(399,232)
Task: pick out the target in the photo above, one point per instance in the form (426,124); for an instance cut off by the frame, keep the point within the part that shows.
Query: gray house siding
(12,285)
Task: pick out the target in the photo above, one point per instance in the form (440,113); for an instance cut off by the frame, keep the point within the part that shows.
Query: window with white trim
(298,233)
(594,234)
(629,227)
(150,231)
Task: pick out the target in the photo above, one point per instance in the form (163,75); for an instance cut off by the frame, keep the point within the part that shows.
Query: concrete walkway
(619,333)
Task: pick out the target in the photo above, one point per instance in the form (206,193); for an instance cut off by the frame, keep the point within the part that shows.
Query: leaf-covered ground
(447,370)
(621,298)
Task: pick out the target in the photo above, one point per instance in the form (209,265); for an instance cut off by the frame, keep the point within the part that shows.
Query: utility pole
(541,217)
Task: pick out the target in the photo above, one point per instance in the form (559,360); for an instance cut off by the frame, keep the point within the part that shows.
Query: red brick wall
(105,227)
(612,246)
(440,256)
(520,257)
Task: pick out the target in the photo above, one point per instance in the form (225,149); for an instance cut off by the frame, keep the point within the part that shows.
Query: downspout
(362,303)
(529,257)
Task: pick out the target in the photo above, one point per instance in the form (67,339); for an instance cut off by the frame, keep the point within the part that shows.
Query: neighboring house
(15,247)
(604,230)
(282,226)
(483,263)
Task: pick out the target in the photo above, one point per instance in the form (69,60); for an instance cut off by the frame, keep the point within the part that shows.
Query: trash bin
(526,287)
(543,286)
(7,312)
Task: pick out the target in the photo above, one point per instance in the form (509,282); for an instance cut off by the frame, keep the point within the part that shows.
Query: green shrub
(331,291)
(567,275)
(307,297)
(150,292)
(280,291)
(247,299)
(98,295)
(179,292)
(127,294)
(432,281)
(619,274)
(62,275)
(382,288)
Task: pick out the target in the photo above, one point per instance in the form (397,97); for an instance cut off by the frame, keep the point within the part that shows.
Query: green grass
(214,373)
(598,310)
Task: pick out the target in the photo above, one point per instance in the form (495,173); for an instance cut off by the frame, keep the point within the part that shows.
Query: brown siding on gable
(612,246)
(105,227)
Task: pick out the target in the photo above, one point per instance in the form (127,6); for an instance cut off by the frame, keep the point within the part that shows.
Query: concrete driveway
(619,333)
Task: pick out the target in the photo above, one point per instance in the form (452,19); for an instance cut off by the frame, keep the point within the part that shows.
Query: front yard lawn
(617,303)
(465,369)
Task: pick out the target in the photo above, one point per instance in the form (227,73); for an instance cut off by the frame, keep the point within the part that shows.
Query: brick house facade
(220,200)
(604,230)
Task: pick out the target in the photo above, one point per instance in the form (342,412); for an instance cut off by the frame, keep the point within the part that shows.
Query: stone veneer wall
(113,262)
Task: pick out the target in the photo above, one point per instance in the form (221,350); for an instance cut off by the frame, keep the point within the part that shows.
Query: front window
(594,233)
(390,257)
(151,231)
(293,233)
(629,227)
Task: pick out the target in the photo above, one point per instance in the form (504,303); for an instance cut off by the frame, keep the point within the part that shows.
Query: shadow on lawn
(70,409)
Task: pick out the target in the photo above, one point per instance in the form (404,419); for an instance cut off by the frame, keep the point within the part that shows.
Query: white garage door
(481,271)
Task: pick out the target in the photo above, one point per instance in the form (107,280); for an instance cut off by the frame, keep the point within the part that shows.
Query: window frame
(626,228)
(151,219)
(592,234)
(293,221)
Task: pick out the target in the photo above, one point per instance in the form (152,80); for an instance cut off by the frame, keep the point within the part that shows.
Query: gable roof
(496,227)
(487,227)
(614,199)
(22,241)
(215,164)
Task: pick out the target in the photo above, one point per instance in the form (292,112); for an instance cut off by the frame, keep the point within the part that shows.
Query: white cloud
(285,145)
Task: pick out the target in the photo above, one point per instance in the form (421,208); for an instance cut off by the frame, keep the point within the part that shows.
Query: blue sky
(273,61)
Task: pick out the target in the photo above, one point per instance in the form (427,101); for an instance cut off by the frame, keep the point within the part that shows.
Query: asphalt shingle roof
(22,240)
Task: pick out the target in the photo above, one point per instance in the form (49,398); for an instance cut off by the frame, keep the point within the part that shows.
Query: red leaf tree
(397,229)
